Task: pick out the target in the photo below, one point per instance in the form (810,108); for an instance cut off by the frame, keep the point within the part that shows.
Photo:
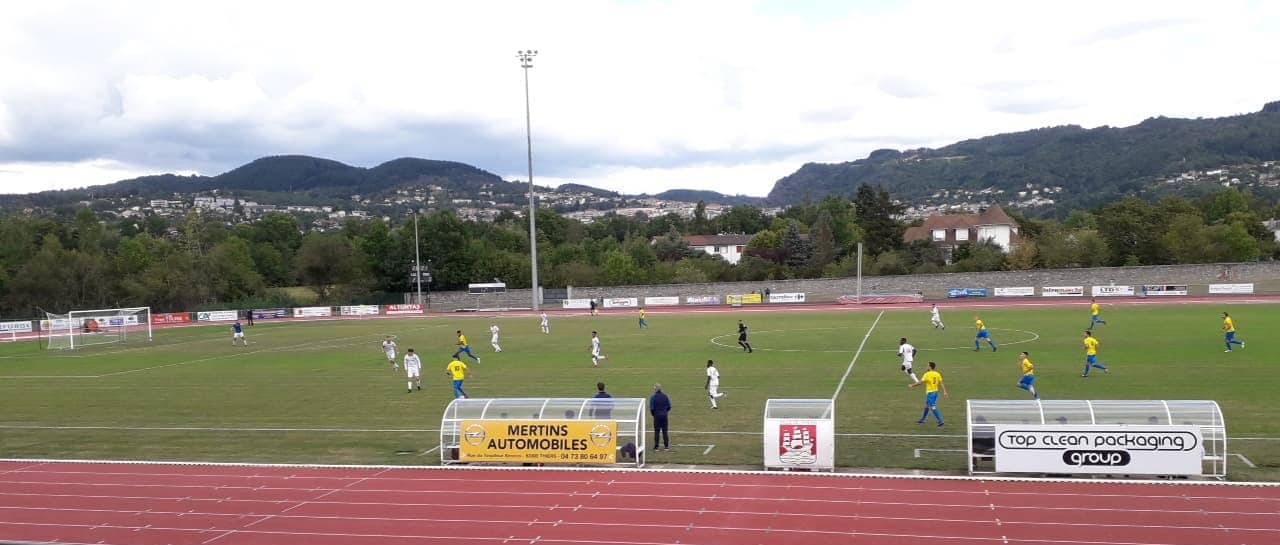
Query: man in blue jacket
(659,406)
(601,406)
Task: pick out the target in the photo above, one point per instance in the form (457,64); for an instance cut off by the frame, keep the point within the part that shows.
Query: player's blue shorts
(465,350)
(931,399)
(1091,359)
(1027,380)
(1097,317)
(1231,335)
(983,334)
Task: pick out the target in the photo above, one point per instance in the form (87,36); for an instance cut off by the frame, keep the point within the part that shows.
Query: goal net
(81,328)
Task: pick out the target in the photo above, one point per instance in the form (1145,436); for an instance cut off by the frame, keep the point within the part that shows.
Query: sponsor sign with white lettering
(1112,291)
(312,312)
(269,313)
(702,300)
(786,297)
(956,293)
(1062,291)
(576,303)
(1124,450)
(1021,291)
(621,302)
(1220,289)
(412,308)
(661,301)
(218,316)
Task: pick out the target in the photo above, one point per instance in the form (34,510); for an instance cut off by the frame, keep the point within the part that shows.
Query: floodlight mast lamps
(526,62)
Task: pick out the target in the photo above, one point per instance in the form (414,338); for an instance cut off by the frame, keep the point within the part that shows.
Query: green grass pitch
(321,391)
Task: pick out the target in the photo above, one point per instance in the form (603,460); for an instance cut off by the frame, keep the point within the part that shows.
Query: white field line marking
(1246,461)
(704,452)
(917,452)
(430,450)
(855,356)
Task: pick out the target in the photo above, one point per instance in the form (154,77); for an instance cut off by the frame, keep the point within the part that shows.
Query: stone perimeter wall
(1265,276)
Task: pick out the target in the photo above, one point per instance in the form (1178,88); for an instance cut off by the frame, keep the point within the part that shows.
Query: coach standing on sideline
(659,406)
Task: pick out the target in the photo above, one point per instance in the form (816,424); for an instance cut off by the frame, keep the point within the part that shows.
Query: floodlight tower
(526,62)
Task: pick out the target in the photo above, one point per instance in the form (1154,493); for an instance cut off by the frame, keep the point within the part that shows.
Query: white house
(730,247)
(951,230)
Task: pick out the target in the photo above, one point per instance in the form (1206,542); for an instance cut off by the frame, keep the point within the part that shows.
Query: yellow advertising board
(543,441)
(743,298)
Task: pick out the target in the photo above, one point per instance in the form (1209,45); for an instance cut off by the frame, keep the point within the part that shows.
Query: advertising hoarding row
(786,297)
(1019,291)
(956,293)
(539,441)
(412,308)
(312,312)
(1121,450)
(1112,291)
(1224,289)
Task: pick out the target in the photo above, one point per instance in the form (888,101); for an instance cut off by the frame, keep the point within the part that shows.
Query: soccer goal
(81,328)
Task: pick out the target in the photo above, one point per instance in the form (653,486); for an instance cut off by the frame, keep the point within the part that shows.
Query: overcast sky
(632,95)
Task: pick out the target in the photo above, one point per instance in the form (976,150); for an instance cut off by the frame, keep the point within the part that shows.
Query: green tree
(325,262)
(620,269)
(1187,239)
(688,272)
(1080,219)
(876,212)
(743,218)
(232,275)
(796,251)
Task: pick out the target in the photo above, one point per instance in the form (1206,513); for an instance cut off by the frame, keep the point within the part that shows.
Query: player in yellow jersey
(1095,314)
(1091,354)
(982,334)
(458,371)
(1028,380)
(932,381)
(643,323)
(1229,331)
(464,347)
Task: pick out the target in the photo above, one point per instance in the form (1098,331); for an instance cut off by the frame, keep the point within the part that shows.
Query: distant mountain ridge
(1091,165)
(329,178)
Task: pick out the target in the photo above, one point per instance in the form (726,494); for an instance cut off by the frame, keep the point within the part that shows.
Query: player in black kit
(742,337)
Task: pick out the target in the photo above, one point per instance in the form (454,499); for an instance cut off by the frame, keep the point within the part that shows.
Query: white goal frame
(113,325)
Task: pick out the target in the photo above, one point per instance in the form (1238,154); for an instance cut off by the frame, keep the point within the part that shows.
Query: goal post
(81,328)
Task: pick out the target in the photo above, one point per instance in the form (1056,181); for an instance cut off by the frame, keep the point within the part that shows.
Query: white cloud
(710,95)
(25,177)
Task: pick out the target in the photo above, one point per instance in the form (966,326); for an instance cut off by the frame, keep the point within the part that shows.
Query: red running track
(70,502)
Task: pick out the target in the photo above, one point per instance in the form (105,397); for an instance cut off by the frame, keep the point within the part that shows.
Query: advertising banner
(413,308)
(1160,291)
(1124,450)
(576,303)
(1220,289)
(171,318)
(312,312)
(16,327)
(661,301)
(1021,291)
(792,443)
(702,300)
(1112,291)
(956,293)
(359,310)
(786,297)
(621,302)
(1062,291)
(218,316)
(543,441)
(744,298)
(269,313)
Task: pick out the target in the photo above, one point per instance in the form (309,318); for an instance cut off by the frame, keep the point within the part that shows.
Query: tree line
(199,261)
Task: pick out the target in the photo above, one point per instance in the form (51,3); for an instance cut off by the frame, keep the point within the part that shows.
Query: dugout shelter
(799,434)
(1098,437)
(536,431)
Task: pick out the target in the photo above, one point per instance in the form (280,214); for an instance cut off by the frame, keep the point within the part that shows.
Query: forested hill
(1091,165)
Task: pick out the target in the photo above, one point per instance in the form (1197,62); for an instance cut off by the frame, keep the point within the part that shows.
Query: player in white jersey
(546,325)
(713,384)
(596,356)
(413,367)
(936,318)
(908,355)
(493,337)
(389,348)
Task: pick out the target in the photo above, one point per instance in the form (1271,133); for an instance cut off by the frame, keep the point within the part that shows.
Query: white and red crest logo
(798,444)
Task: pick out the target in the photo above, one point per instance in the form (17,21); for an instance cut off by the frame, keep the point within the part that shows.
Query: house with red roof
(730,247)
(949,231)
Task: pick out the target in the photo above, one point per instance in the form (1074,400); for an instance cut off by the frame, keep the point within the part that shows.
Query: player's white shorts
(596,354)
(713,389)
(494,339)
(906,367)
(391,355)
(239,335)
(414,371)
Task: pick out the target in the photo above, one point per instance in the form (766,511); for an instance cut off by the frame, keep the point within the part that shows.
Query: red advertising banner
(171,318)
(404,309)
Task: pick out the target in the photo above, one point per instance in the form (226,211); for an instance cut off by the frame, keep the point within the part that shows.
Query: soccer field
(322,392)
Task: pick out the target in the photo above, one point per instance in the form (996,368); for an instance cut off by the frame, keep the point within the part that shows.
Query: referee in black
(742,337)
